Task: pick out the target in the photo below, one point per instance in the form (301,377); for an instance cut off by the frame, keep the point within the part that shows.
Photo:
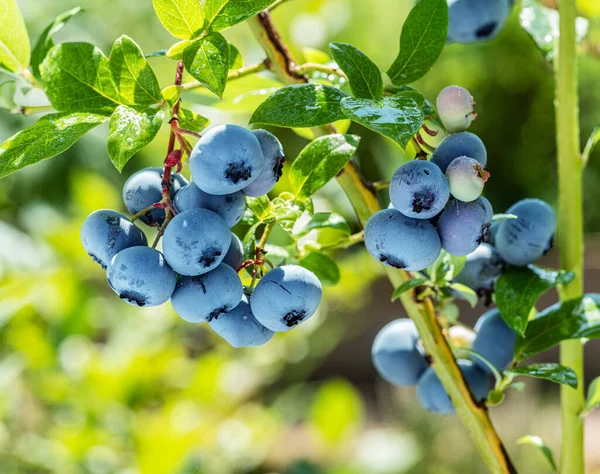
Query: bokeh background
(91,385)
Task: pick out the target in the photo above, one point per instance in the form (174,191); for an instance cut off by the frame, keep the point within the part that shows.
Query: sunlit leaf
(15,49)
(466,292)
(221,14)
(184,19)
(207,60)
(190,120)
(363,75)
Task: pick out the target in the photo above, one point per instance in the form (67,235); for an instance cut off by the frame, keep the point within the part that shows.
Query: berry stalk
(570,229)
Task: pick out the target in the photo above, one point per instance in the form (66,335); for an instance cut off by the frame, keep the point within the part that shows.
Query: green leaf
(552,372)
(519,288)
(221,14)
(235,58)
(446,267)
(50,136)
(319,162)
(176,51)
(541,23)
(593,397)
(15,49)
(407,286)
(397,117)
(192,121)
(207,60)
(77,78)
(323,266)
(422,40)
(573,319)
(45,41)
(129,130)
(301,105)
(422,101)
(364,76)
(171,94)
(466,292)
(589,146)
(260,206)
(8,89)
(539,443)
(132,74)
(184,19)
(324,220)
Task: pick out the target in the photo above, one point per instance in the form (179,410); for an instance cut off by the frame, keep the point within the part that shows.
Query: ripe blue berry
(401,242)
(141,276)
(455,108)
(464,225)
(523,240)
(418,189)
(495,340)
(482,269)
(240,328)
(285,297)
(466,178)
(226,159)
(476,20)
(235,255)
(208,296)
(196,242)
(434,398)
(229,206)
(105,233)
(273,165)
(144,188)
(459,144)
(396,354)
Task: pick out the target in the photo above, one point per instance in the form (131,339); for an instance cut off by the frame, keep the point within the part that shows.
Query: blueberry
(272,168)
(105,233)
(464,225)
(235,255)
(144,188)
(229,206)
(226,159)
(495,340)
(208,296)
(466,178)
(482,269)
(455,108)
(470,21)
(196,242)
(418,189)
(285,297)
(396,354)
(523,240)
(434,398)
(240,328)
(401,242)
(141,276)
(459,144)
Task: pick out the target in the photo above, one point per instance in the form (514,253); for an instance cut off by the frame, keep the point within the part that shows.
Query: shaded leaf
(407,286)
(319,162)
(221,14)
(15,49)
(129,130)
(184,19)
(50,136)
(45,41)
(397,117)
(466,292)
(573,319)
(235,58)
(446,267)
(192,121)
(301,105)
(8,89)
(519,288)
(539,443)
(176,51)
(422,40)
(77,78)
(133,76)
(324,267)
(207,60)
(324,220)
(591,143)
(364,76)
(546,371)
(593,397)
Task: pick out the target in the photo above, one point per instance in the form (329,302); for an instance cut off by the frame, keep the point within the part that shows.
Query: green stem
(235,74)
(314,67)
(570,229)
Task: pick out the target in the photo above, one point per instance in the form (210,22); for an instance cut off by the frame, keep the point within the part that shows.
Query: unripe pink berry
(455,108)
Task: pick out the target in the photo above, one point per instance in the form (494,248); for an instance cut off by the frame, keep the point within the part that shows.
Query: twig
(233,75)
(314,67)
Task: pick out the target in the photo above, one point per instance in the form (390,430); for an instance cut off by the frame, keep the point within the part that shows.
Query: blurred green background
(91,385)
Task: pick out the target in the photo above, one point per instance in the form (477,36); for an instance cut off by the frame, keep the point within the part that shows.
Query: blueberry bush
(228,249)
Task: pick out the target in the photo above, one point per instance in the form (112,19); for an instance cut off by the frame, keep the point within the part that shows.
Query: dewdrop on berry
(455,108)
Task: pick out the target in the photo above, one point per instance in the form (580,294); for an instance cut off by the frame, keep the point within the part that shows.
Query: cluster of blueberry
(436,204)
(470,21)
(198,268)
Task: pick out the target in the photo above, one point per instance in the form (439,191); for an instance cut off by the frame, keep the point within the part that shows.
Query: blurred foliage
(89,384)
